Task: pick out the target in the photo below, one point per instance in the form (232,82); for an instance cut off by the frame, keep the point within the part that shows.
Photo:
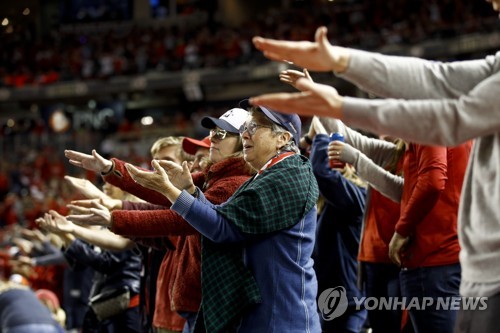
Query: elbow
(434,190)
(218,237)
(395,197)
(437,185)
(224,235)
(452,140)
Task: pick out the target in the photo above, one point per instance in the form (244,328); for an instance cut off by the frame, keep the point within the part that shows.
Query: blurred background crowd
(83,53)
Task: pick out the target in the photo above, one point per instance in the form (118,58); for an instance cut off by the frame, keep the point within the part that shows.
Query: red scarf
(274,160)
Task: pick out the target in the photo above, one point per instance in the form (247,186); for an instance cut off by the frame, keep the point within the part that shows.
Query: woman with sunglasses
(151,225)
(257,272)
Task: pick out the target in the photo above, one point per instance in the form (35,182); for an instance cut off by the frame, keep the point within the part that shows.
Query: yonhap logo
(332,303)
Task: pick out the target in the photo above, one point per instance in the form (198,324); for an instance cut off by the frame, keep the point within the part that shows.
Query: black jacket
(112,269)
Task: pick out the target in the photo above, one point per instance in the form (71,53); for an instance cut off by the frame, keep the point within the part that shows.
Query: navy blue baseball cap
(291,122)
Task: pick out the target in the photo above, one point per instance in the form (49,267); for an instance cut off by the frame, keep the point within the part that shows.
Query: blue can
(336,164)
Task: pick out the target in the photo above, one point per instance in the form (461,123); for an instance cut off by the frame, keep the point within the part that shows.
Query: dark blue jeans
(434,282)
(190,321)
(351,321)
(382,281)
(129,321)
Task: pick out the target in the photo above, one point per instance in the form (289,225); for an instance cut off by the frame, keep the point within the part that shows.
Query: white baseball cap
(230,121)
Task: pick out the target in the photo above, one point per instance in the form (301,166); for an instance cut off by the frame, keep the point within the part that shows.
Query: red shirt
(381,217)
(429,204)
(380,220)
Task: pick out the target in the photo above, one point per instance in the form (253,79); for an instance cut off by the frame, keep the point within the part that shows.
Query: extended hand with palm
(85,187)
(179,175)
(319,55)
(158,180)
(89,212)
(94,162)
(291,76)
(55,223)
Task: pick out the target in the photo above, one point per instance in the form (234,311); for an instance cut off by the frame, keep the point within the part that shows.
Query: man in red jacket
(425,242)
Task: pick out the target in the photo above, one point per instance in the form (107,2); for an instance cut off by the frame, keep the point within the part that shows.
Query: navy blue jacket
(113,269)
(339,224)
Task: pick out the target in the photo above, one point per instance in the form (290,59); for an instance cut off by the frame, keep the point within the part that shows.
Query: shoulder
(295,164)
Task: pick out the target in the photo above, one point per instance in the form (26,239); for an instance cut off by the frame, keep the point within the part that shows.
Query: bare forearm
(103,238)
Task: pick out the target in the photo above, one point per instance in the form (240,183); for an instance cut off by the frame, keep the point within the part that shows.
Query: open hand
(179,175)
(106,201)
(55,223)
(85,187)
(157,180)
(95,215)
(94,162)
(319,55)
(60,222)
(290,76)
(34,235)
(315,99)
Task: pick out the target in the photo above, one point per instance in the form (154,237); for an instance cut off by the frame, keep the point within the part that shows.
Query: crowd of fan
(361,24)
(27,59)
(33,181)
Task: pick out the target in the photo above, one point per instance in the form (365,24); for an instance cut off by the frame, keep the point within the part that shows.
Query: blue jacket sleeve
(202,215)
(51,256)
(337,190)
(82,253)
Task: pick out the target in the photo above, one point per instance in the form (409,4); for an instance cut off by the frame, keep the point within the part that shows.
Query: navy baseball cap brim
(291,122)
(212,122)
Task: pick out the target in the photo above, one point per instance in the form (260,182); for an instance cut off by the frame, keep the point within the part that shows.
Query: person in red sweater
(424,243)
(156,307)
(226,172)
(379,275)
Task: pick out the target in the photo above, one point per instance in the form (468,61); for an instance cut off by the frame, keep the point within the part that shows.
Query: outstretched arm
(319,55)
(158,180)
(382,180)
(446,103)
(389,76)
(86,188)
(442,122)
(94,162)
(101,237)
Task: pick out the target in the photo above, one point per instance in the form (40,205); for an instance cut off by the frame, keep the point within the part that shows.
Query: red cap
(190,146)
(47,295)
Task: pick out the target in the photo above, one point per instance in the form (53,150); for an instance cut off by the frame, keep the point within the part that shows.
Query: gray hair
(290,145)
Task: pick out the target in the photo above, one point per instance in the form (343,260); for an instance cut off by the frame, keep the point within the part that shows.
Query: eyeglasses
(251,128)
(218,134)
